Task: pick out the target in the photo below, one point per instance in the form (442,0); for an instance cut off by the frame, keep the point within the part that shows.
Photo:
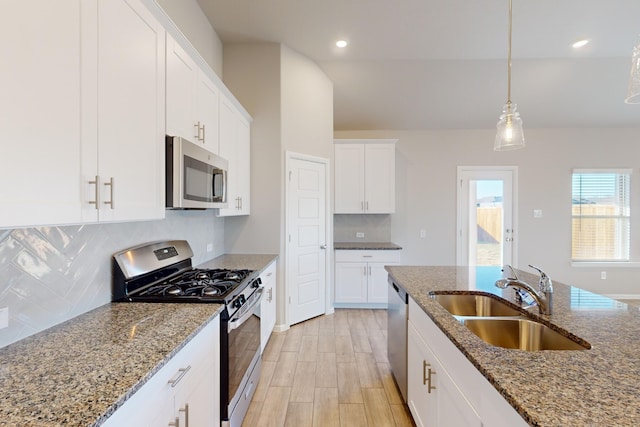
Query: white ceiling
(424,64)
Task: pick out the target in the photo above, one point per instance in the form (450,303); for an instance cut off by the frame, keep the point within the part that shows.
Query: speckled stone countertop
(79,372)
(367,246)
(595,387)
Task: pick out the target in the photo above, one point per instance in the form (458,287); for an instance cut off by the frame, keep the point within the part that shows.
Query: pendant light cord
(509,54)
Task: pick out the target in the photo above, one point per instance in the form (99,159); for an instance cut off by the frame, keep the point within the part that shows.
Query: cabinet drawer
(390,256)
(268,274)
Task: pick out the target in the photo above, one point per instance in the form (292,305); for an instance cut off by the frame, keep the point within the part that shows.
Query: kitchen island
(593,387)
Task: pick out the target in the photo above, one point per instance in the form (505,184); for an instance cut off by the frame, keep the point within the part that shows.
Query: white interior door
(306,240)
(486,206)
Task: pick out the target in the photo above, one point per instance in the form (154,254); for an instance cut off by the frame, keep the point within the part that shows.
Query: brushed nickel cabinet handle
(186,414)
(181,373)
(96,202)
(175,423)
(111,185)
(197,133)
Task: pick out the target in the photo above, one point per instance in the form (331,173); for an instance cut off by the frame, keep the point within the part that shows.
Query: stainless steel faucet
(543,297)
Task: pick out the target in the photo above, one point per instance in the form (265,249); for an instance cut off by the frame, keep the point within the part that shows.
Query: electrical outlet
(423,234)
(359,235)
(4,317)
(209,247)
(603,275)
(537,213)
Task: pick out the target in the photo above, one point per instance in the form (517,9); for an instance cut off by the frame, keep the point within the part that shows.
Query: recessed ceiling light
(580,43)
(341,43)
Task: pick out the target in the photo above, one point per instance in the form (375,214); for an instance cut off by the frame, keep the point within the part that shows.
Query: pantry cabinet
(84,100)
(235,146)
(361,279)
(444,388)
(192,100)
(268,304)
(187,387)
(364,176)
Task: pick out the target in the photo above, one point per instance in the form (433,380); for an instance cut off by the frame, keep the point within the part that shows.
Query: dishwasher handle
(401,292)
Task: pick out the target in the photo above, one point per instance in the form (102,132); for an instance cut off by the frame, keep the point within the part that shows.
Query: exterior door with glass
(486,205)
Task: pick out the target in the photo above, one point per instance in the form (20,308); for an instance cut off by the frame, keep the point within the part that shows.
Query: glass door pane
(488,221)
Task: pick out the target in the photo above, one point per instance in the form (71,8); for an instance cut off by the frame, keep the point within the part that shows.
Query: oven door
(243,356)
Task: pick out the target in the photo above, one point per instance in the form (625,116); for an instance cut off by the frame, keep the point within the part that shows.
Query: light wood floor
(329,371)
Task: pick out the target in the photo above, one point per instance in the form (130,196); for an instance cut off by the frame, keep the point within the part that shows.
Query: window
(600,215)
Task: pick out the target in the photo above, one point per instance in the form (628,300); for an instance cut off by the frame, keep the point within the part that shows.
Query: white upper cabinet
(364,176)
(83,112)
(123,138)
(192,100)
(40,112)
(235,146)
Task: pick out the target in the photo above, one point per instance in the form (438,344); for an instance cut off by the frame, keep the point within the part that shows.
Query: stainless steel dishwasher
(397,335)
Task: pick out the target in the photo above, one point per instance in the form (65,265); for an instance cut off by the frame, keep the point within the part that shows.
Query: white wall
(193,23)
(252,73)
(291,102)
(426,167)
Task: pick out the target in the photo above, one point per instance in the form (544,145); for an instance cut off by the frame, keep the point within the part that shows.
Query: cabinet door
(182,73)
(40,112)
(268,304)
(421,407)
(379,178)
(349,178)
(434,399)
(197,396)
(131,80)
(207,113)
(351,281)
(229,129)
(377,286)
(243,163)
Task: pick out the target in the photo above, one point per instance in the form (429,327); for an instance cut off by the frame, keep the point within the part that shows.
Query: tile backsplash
(51,274)
(376,228)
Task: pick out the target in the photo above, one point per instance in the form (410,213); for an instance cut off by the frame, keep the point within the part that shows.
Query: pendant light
(633,92)
(510,135)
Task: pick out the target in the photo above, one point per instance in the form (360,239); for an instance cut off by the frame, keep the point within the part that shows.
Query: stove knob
(256,283)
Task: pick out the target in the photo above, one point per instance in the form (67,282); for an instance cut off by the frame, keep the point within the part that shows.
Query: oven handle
(248,311)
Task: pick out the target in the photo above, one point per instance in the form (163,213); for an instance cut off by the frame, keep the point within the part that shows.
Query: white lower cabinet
(268,304)
(361,279)
(444,389)
(433,397)
(184,393)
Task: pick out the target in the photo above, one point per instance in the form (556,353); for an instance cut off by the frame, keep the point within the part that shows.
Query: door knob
(323,247)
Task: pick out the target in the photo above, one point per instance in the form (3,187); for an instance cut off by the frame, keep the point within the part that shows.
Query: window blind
(601,216)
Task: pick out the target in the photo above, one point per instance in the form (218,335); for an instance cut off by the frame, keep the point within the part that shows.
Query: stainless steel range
(162,272)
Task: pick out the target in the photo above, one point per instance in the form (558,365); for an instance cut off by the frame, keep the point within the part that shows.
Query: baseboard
(360,305)
(280,328)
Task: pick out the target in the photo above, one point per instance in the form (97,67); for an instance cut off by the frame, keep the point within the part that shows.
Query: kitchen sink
(520,334)
(474,305)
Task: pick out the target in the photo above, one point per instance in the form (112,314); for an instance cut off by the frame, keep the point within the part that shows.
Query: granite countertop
(79,372)
(367,246)
(594,387)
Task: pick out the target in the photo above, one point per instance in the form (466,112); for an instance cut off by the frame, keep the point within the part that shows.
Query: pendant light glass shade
(510,135)
(633,93)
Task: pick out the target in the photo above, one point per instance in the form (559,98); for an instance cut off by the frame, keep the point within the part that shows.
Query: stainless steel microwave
(195,178)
